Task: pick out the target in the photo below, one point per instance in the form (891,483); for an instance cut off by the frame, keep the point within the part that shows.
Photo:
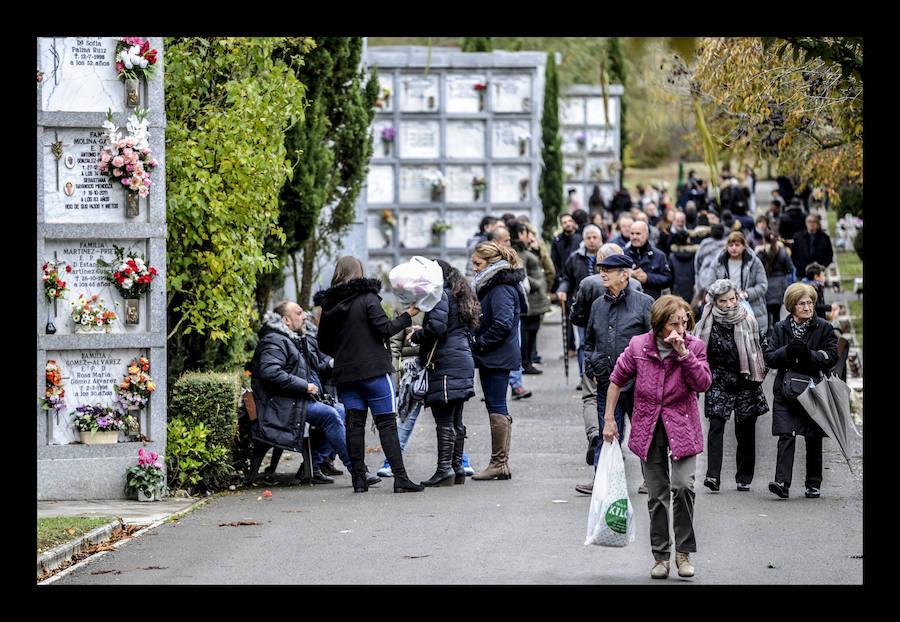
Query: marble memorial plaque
(462,97)
(80,75)
(418,93)
(571,143)
(380,184)
(459,184)
(89,378)
(415,186)
(571,110)
(379,231)
(415,228)
(573,168)
(508,137)
(465,224)
(509,183)
(595,115)
(511,92)
(599,169)
(602,140)
(419,139)
(465,139)
(74,188)
(85,278)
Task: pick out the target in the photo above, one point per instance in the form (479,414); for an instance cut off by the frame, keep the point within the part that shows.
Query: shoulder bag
(795,383)
(418,388)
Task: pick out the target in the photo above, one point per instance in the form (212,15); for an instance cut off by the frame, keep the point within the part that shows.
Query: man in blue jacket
(651,267)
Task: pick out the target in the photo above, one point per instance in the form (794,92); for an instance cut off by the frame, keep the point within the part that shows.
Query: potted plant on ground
(99,425)
(146,478)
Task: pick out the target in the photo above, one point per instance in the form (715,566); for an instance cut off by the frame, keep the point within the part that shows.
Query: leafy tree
(228,103)
(551,182)
(795,102)
(331,150)
(617,75)
(476,44)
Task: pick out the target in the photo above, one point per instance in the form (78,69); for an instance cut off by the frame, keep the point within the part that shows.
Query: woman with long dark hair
(445,352)
(496,349)
(778,267)
(353,330)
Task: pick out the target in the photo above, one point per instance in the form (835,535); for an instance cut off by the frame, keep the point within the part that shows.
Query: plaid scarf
(746,336)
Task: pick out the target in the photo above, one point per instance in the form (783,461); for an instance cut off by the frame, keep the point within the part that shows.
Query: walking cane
(565,339)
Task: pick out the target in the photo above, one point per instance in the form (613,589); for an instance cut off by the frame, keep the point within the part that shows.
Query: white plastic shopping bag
(611,518)
(419,281)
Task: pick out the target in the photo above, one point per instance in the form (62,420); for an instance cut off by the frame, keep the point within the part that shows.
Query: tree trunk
(296,277)
(309,256)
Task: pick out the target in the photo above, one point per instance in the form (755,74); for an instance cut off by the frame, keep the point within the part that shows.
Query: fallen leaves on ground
(414,556)
(125,531)
(238,523)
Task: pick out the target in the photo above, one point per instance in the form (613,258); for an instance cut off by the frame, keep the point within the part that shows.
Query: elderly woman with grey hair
(735,348)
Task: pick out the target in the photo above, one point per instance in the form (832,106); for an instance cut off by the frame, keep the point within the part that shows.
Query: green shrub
(190,457)
(210,399)
(857,242)
(851,201)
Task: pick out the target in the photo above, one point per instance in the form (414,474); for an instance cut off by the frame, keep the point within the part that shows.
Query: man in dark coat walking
(651,267)
(812,245)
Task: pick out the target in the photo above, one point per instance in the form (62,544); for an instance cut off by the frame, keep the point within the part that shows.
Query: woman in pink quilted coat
(669,368)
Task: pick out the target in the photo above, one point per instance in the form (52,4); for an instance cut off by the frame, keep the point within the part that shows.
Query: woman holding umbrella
(803,346)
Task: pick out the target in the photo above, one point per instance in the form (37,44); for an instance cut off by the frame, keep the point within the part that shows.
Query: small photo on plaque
(69,188)
(69,161)
(132,311)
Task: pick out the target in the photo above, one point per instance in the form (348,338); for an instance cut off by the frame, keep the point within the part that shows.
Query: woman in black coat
(806,344)
(735,350)
(445,351)
(354,330)
(496,349)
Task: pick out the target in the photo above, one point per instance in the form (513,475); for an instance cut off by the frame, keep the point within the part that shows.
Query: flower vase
(132,204)
(435,194)
(135,428)
(132,310)
(431,102)
(480,100)
(132,93)
(152,496)
(100,437)
(387,147)
(50,328)
(477,194)
(522,146)
(523,191)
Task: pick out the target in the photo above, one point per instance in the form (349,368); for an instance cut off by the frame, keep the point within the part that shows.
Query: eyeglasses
(806,304)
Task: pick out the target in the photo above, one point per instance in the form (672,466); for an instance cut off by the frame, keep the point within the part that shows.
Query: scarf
(491,269)
(746,336)
(799,330)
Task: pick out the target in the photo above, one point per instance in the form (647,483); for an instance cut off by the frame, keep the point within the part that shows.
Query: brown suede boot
(498,468)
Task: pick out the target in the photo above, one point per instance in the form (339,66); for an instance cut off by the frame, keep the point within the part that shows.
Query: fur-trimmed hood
(342,293)
(499,276)
(272,322)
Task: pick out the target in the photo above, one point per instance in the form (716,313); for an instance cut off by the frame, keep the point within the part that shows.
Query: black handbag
(418,387)
(795,383)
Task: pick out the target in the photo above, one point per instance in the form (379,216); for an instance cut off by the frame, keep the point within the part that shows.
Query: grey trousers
(660,486)
(589,407)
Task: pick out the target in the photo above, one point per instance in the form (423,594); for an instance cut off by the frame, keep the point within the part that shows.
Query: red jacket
(664,389)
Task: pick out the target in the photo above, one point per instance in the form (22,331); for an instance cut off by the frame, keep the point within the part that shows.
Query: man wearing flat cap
(615,317)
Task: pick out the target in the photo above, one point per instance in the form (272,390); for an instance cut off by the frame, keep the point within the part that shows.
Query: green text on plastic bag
(617,515)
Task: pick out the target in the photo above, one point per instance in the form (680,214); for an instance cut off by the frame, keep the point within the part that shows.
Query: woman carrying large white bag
(419,282)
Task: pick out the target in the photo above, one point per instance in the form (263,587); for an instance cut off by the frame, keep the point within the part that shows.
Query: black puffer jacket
(279,379)
(729,389)
(682,250)
(354,329)
(453,374)
(788,416)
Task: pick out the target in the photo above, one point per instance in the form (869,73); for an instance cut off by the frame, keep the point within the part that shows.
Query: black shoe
(537,360)
(531,369)
(779,489)
(327,467)
(320,478)
(812,493)
(585,489)
(579,387)
(372,479)
(402,484)
(520,392)
(592,450)
(743,487)
(712,483)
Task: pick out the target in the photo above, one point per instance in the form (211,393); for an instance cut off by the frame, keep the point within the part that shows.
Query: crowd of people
(662,301)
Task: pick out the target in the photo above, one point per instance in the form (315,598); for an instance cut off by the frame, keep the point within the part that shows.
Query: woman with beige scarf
(735,347)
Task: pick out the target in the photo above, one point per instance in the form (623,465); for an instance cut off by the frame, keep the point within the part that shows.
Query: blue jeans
(624,405)
(580,350)
(405,428)
(494,386)
(515,377)
(323,450)
(331,422)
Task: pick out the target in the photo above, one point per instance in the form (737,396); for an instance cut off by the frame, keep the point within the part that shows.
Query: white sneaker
(385,472)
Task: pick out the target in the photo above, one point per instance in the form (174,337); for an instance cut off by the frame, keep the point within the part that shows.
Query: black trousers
(528,330)
(745,433)
(784,462)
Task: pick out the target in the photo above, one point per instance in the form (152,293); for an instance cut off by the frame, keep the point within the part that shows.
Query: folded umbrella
(565,339)
(828,404)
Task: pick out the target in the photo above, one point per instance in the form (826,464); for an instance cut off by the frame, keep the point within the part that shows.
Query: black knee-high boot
(444,475)
(390,443)
(356,447)
(256,458)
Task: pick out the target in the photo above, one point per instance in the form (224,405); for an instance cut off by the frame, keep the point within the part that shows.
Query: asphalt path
(529,530)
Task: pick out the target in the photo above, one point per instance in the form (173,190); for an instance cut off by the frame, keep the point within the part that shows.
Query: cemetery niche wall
(453,144)
(100,262)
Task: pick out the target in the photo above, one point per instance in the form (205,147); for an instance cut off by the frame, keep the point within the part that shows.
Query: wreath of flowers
(54,394)
(92,312)
(54,287)
(136,387)
(127,160)
(134,58)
